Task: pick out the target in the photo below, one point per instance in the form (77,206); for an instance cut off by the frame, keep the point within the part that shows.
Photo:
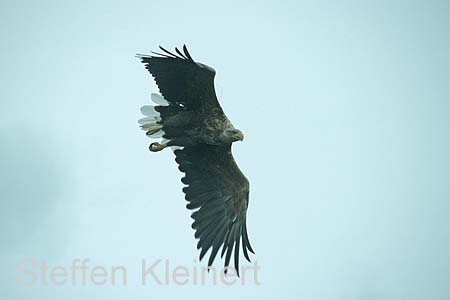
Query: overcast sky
(344,105)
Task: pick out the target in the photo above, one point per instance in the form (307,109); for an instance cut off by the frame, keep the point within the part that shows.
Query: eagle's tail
(152,123)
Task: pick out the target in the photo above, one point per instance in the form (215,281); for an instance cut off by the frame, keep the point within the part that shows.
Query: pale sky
(345,110)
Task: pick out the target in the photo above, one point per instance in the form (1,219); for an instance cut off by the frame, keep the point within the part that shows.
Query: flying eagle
(190,120)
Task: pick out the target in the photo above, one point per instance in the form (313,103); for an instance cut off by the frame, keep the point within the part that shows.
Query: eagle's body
(200,128)
(189,117)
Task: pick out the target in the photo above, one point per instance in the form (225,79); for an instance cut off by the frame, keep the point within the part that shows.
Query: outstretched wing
(219,192)
(181,80)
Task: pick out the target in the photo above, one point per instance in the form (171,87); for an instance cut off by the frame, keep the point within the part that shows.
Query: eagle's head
(234,135)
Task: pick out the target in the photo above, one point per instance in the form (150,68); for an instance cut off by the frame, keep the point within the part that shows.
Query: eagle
(189,118)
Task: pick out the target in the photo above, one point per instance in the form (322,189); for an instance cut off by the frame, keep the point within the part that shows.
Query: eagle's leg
(153,128)
(155,147)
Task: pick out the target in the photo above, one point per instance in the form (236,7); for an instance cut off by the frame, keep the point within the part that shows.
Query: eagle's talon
(155,147)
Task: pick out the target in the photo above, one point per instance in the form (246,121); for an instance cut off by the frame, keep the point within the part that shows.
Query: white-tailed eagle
(188,117)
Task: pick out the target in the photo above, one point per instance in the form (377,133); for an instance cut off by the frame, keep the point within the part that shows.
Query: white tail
(158,99)
(149,111)
(149,120)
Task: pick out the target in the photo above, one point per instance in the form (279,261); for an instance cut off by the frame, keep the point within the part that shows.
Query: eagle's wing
(219,191)
(182,81)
